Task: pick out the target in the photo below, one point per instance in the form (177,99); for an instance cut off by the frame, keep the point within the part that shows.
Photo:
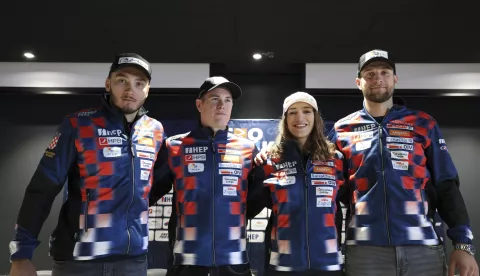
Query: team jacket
(108,167)
(304,233)
(390,164)
(210,181)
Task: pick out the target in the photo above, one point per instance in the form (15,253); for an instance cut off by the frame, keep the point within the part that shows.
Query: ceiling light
(28,55)
(57,92)
(458,94)
(257,56)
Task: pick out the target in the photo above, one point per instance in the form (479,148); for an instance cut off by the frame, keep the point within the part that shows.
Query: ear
(358,82)
(395,79)
(107,85)
(198,103)
(147,90)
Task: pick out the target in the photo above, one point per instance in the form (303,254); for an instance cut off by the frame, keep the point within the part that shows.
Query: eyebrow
(218,96)
(378,66)
(136,77)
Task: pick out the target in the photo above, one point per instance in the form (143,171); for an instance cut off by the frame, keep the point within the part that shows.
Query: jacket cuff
(460,234)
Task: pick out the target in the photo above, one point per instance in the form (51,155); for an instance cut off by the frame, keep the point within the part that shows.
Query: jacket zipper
(306,211)
(213,202)
(133,187)
(85,216)
(384,183)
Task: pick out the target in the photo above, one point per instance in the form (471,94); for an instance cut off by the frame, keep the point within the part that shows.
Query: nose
(220,104)
(378,78)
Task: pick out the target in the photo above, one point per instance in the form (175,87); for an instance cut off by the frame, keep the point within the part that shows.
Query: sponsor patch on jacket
(146,164)
(146,133)
(229,180)
(230,158)
(363,145)
(397,126)
(145,155)
(110,141)
(324,182)
(324,202)
(230,172)
(145,148)
(229,191)
(229,151)
(144,174)
(324,163)
(362,136)
(400,165)
(401,133)
(324,191)
(321,169)
(190,150)
(195,157)
(230,165)
(110,152)
(146,141)
(321,175)
(196,167)
(400,146)
(399,154)
(400,140)
(282,181)
(106,132)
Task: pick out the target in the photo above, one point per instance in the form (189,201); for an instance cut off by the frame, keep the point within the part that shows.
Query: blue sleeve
(444,177)
(47,181)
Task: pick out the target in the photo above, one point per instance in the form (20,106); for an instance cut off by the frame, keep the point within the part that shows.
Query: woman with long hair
(303,177)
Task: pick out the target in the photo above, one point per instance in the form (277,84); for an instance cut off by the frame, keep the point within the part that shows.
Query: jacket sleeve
(444,177)
(162,176)
(258,196)
(47,181)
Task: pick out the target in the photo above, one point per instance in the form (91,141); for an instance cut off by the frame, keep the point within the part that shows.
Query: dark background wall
(27,122)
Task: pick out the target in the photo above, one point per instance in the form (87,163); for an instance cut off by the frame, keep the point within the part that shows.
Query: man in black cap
(107,154)
(211,172)
(396,158)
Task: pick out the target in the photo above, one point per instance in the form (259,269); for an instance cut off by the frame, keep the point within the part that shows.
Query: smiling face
(377,82)
(215,108)
(128,88)
(300,120)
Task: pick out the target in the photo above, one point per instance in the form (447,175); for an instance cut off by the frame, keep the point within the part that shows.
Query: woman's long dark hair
(319,147)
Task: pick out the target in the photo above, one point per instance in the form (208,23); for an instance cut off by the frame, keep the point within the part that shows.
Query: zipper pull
(213,146)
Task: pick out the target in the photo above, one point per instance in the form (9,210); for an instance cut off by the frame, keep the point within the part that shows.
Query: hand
(261,157)
(464,262)
(23,267)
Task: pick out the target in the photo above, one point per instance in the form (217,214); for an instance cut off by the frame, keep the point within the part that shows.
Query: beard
(127,109)
(378,97)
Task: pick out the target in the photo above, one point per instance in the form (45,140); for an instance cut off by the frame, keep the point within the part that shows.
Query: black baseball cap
(131,60)
(376,55)
(214,82)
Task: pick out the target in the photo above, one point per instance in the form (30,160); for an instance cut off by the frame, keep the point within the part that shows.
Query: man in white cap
(394,156)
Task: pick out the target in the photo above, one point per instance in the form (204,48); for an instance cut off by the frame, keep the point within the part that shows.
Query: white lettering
(105,132)
(400,140)
(196,150)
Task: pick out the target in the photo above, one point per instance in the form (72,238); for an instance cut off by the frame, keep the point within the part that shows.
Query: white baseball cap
(299,97)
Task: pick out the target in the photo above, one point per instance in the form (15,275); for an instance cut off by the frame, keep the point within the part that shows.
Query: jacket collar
(115,112)
(207,132)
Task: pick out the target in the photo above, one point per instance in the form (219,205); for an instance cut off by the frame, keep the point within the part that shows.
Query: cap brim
(382,59)
(141,68)
(234,89)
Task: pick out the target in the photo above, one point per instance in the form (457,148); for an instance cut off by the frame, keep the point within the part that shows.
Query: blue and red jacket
(391,165)
(109,168)
(304,192)
(211,176)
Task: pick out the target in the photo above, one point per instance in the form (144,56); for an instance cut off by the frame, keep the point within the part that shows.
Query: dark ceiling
(228,32)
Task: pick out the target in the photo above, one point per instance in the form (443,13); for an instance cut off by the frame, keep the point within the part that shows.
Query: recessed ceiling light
(28,55)
(257,56)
